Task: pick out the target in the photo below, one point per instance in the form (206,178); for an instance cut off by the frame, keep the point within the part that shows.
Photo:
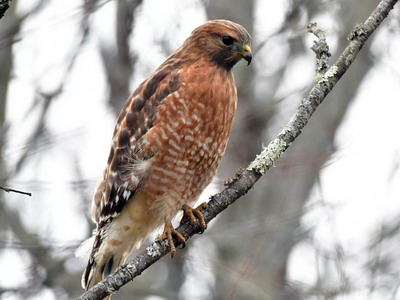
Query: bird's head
(224,42)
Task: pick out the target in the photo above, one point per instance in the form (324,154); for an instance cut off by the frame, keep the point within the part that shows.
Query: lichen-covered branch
(4,5)
(263,162)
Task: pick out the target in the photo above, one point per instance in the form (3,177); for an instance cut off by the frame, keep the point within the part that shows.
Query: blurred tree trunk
(274,209)
(118,59)
(9,27)
(250,124)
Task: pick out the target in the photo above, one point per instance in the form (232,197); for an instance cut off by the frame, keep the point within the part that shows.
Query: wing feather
(128,160)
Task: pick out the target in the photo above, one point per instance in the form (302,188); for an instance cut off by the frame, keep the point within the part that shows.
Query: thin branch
(8,190)
(321,50)
(263,162)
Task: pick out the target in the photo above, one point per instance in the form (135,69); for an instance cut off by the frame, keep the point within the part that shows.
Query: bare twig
(263,162)
(8,190)
(321,50)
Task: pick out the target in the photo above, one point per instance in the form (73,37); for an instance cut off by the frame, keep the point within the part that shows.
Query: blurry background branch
(13,229)
(264,161)
(47,98)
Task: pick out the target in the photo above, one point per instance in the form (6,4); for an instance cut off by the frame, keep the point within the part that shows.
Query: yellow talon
(194,214)
(168,232)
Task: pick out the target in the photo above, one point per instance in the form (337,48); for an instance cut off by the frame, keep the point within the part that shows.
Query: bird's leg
(168,232)
(194,214)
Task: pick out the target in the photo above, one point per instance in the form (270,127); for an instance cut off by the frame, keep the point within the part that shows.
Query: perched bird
(167,145)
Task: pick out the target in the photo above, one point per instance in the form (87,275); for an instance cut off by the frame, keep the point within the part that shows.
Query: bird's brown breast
(190,133)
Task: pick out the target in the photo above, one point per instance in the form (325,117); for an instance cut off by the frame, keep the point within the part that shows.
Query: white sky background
(360,187)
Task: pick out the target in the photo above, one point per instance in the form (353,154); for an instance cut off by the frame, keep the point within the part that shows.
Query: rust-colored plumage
(168,142)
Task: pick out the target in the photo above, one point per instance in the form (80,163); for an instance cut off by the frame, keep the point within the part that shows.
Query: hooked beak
(246,54)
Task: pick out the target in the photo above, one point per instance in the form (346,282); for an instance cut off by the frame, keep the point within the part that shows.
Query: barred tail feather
(103,261)
(108,253)
(115,239)
(93,272)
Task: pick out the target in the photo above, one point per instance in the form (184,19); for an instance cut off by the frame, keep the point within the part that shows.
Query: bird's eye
(227,40)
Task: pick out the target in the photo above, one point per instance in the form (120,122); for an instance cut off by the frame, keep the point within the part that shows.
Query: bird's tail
(100,264)
(115,239)
(106,256)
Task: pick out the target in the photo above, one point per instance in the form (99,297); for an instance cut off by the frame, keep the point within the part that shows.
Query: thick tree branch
(263,162)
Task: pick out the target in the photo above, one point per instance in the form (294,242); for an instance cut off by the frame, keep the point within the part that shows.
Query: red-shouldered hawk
(168,142)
